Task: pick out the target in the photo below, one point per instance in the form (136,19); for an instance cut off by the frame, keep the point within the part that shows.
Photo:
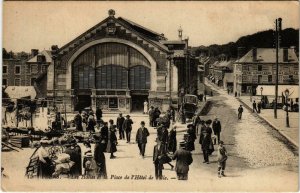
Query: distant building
(117,65)
(258,67)
(24,71)
(13,72)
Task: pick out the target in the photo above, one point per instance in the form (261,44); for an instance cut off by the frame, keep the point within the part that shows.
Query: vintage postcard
(196,96)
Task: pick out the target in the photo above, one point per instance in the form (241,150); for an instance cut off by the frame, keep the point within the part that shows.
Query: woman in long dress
(112,140)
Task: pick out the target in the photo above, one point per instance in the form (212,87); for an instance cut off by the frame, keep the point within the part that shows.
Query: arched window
(139,78)
(105,66)
(111,77)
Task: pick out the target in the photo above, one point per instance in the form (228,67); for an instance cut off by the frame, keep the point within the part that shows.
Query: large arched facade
(118,75)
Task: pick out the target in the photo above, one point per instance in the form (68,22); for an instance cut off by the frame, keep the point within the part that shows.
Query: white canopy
(269,90)
(17,92)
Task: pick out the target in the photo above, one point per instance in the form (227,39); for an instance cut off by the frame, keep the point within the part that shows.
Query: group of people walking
(164,151)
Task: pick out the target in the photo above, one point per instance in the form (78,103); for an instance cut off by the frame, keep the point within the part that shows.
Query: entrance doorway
(137,102)
(83,102)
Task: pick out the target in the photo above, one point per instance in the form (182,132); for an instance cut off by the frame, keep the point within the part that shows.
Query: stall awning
(18,92)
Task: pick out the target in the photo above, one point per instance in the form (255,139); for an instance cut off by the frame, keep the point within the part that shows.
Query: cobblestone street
(253,158)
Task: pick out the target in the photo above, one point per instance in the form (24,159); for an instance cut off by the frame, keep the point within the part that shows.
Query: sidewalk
(291,133)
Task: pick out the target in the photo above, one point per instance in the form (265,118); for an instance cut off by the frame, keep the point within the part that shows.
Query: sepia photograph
(150,96)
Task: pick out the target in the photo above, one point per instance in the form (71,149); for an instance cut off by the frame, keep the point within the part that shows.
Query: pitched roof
(142,32)
(268,55)
(137,27)
(46,53)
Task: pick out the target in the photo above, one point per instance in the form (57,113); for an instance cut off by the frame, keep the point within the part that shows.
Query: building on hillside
(258,67)
(117,65)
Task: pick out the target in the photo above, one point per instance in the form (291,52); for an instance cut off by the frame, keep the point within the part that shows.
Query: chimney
(241,52)
(34,52)
(254,54)
(285,54)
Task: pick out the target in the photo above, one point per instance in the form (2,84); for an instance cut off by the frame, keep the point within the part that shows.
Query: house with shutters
(117,65)
(258,67)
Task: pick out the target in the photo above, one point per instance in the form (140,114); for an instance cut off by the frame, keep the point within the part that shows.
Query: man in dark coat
(151,116)
(141,138)
(254,108)
(98,114)
(217,128)
(183,160)
(190,146)
(75,155)
(158,152)
(99,157)
(156,115)
(120,121)
(240,112)
(127,126)
(78,122)
(172,142)
(258,107)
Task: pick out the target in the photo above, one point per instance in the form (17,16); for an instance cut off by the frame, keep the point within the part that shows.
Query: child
(222,157)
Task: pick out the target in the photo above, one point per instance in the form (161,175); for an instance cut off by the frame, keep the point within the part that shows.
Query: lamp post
(261,90)
(287,92)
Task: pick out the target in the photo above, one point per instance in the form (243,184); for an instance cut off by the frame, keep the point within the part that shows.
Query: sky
(38,25)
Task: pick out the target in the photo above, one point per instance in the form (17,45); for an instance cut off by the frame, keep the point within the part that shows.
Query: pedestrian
(78,122)
(99,157)
(183,160)
(127,126)
(207,145)
(240,112)
(112,140)
(151,116)
(156,115)
(104,133)
(217,129)
(172,141)
(91,123)
(74,151)
(98,114)
(190,146)
(89,165)
(258,107)
(158,152)
(254,107)
(141,138)
(120,121)
(235,94)
(196,122)
(182,115)
(145,107)
(222,158)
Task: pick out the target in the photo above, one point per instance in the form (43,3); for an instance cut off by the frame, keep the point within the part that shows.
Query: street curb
(271,125)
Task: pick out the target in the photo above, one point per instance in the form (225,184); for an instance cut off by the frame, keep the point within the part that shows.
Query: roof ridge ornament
(111,13)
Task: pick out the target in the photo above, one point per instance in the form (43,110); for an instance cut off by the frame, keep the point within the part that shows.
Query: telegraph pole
(277,37)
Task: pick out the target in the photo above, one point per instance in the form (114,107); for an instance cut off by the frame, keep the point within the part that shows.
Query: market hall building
(117,65)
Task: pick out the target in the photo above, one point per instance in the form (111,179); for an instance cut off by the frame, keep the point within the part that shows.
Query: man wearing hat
(206,143)
(141,138)
(127,126)
(217,128)
(158,152)
(183,160)
(240,112)
(120,121)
